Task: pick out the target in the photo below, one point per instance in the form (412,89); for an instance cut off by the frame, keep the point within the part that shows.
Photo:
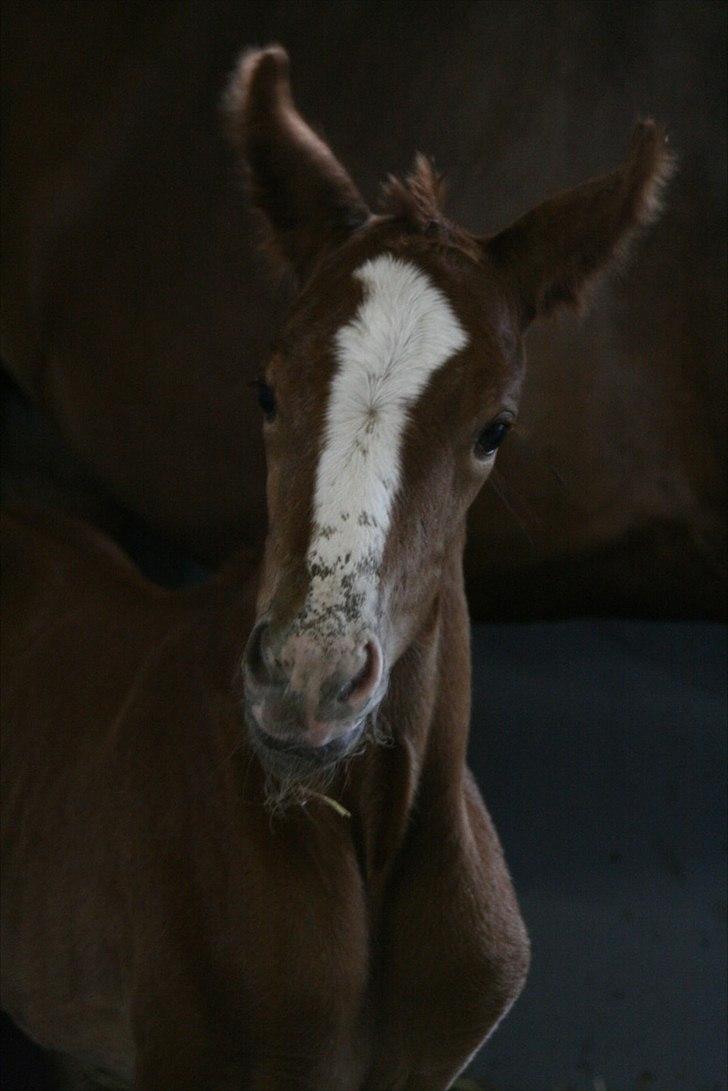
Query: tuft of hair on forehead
(417,203)
(418,198)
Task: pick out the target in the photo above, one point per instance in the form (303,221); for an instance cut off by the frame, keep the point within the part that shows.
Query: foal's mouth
(280,748)
(295,771)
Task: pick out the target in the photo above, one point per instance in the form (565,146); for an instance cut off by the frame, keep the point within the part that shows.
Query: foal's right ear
(307,199)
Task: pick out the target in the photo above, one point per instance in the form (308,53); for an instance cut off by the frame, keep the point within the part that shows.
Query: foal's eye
(266,398)
(491,437)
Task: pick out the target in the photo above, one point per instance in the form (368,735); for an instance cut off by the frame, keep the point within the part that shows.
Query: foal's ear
(307,199)
(551,254)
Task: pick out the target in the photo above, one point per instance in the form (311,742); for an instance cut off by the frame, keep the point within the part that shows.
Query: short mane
(418,198)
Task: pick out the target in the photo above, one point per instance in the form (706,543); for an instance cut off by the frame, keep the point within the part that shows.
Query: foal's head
(392,385)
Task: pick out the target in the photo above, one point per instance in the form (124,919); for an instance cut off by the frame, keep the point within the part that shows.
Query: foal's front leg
(455,950)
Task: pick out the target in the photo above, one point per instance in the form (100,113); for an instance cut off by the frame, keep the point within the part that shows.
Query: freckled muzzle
(307,700)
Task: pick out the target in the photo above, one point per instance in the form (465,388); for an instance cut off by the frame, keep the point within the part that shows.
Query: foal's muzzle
(305,701)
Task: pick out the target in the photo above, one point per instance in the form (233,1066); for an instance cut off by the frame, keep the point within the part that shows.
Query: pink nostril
(361,687)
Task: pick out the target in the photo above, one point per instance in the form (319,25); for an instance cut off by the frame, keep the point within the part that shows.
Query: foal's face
(392,386)
(395,380)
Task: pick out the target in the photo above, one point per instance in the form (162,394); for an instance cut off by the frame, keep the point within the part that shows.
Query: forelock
(417,201)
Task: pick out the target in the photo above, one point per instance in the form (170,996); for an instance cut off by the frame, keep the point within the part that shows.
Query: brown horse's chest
(255,937)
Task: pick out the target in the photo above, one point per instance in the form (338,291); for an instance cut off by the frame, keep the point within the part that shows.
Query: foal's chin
(295,773)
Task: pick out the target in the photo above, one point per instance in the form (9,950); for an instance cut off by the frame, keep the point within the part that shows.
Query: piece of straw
(332,803)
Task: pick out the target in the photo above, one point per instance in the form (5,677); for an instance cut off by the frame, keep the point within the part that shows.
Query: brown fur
(158,920)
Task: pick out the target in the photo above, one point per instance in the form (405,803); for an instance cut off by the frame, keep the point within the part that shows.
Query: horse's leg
(455,953)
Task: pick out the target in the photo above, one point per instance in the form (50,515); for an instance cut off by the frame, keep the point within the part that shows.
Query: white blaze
(403,331)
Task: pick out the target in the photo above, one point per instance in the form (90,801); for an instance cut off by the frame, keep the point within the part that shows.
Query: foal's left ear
(307,199)
(551,254)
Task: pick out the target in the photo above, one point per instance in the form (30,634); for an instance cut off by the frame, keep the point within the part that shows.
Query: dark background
(136,310)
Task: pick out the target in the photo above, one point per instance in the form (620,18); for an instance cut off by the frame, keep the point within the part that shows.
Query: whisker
(524,446)
(556,474)
(212,774)
(498,485)
(224,761)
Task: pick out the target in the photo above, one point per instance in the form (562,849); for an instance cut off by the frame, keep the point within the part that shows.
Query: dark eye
(491,437)
(266,398)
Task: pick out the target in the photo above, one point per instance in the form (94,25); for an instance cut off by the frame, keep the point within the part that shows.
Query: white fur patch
(404,330)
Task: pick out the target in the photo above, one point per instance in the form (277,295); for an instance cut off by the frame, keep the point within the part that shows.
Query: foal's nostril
(254,654)
(360,688)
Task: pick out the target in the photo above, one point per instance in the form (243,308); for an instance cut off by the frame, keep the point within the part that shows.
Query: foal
(214,875)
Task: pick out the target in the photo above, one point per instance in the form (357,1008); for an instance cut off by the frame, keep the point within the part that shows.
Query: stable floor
(600,747)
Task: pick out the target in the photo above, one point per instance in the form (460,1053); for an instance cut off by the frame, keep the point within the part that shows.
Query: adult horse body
(215,874)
